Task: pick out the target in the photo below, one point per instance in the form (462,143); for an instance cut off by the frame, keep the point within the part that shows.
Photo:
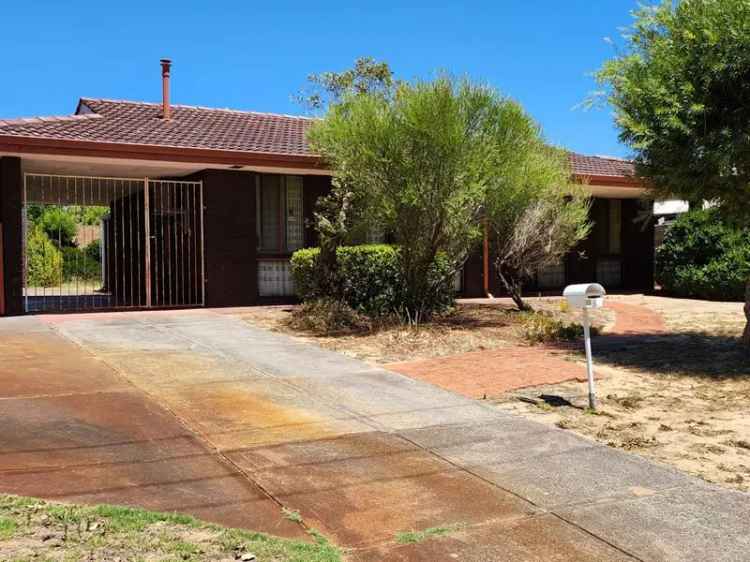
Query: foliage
(43,260)
(82,263)
(370,279)
(421,163)
(681,94)
(538,215)
(59,224)
(368,76)
(326,317)
(704,257)
(540,327)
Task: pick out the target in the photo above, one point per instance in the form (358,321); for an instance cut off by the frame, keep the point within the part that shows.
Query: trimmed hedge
(370,279)
(703,257)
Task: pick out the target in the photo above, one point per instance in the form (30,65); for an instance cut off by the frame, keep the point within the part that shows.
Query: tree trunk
(746,334)
(514,289)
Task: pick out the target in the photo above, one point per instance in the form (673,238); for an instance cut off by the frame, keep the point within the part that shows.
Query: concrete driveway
(195,411)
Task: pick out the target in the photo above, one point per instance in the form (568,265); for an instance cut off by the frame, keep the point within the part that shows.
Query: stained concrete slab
(692,523)
(199,486)
(85,429)
(154,371)
(365,488)
(271,353)
(102,340)
(40,362)
(394,402)
(543,538)
(361,452)
(490,448)
(239,414)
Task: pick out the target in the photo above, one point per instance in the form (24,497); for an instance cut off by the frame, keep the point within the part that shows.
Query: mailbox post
(586,296)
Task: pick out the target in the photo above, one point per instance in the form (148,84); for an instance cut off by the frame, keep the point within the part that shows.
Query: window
(552,276)
(608,226)
(280,221)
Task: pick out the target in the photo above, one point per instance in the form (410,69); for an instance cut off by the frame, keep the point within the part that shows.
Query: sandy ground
(681,398)
(475,325)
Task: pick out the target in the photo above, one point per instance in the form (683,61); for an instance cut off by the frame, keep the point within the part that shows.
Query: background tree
(681,93)
(367,76)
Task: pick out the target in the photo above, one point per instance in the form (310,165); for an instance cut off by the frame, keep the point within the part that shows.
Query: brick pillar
(11,208)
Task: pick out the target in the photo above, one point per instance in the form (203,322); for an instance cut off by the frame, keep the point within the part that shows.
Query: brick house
(204,207)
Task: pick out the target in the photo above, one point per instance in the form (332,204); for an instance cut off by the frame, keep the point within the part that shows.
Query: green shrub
(703,257)
(43,260)
(78,263)
(370,279)
(539,327)
(329,317)
(59,223)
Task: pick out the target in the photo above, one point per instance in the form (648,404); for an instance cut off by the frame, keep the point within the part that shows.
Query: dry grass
(470,327)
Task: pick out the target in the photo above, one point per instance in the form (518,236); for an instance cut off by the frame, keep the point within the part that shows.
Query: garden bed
(471,326)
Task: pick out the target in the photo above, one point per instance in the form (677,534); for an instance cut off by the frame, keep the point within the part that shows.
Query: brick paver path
(481,374)
(484,374)
(632,319)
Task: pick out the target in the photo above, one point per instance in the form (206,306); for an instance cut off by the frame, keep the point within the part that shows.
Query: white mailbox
(586,296)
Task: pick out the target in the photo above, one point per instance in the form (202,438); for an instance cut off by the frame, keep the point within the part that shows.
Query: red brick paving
(481,374)
(635,319)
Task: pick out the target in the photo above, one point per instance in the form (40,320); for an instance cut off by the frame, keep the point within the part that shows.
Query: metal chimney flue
(166,66)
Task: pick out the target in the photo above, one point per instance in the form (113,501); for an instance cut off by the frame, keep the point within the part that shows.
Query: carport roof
(193,132)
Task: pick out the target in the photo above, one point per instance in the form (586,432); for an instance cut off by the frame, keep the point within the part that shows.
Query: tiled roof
(601,166)
(139,123)
(189,127)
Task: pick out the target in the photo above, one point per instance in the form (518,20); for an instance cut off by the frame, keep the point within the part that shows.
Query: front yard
(681,397)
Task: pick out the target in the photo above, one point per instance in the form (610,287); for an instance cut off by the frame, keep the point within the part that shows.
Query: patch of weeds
(565,424)
(328,317)
(7,527)
(541,327)
(126,519)
(74,532)
(638,442)
(414,537)
(592,412)
(292,514)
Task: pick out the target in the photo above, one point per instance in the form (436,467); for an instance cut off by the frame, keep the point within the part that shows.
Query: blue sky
(255,55)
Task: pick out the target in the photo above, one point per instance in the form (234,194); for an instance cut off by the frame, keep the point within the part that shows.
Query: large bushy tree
(426,162)
(681,92)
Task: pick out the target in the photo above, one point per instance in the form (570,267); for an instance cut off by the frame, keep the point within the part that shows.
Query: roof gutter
(29,145)
(613,181)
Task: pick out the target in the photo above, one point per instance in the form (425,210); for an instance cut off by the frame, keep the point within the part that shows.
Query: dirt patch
(470,327)
(681,397)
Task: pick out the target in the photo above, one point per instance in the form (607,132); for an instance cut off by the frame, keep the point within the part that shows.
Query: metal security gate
(96,243)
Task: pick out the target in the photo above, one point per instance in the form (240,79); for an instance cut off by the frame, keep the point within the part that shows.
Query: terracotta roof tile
(601,166)
(139,123)
(128,122)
